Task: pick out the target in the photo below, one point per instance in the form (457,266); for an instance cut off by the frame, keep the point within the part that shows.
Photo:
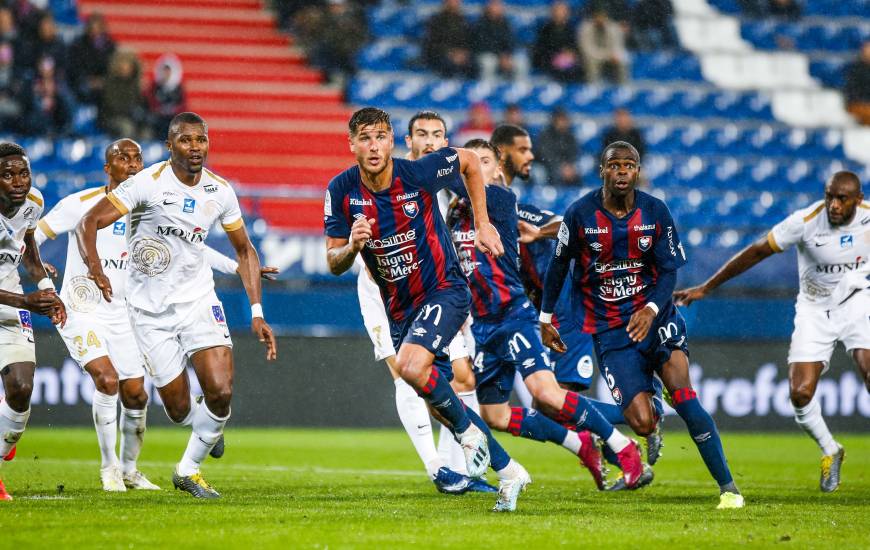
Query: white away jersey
(169,222)
(12,239)
(78,291)
(825,253)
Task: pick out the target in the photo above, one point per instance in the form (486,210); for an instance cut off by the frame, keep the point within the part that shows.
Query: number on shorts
(82,344)
(478,362)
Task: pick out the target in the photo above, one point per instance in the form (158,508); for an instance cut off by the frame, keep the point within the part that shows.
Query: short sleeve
(669,252)
(534,215)
(334,218)
(568,241)
(131,193)
(61,219)
(438,170)
(231,217)
(786,233)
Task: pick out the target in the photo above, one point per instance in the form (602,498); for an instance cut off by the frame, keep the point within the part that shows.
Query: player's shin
(499,458)
(132,436)
(578,411)
(612,413)
(703,430)
(810,419)
(529,424)
(12,424)
(455,454)
(207,429)
(440,395)
(105,412)
(415,419)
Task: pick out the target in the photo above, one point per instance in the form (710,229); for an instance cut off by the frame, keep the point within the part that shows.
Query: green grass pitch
(365,489)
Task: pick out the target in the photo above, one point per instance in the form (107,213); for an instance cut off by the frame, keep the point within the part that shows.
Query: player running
(173,310)
(20,208)
(508,340)
(626,252)
(833,243)
(97,333)
(446,465)
(385,209)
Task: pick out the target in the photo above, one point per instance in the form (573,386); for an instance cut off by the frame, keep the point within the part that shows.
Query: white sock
(617,441)
(447,451)
(415,418)
(132,436)
(572,442)
(508,472)
(12,424)
(522,391)
(207,429)
(810,419)
(105,411)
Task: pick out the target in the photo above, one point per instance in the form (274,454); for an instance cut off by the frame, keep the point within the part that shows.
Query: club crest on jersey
(846,241)
(189,205)
(119,228)
(644,242)
(218,313)
(411,209)
(26,324)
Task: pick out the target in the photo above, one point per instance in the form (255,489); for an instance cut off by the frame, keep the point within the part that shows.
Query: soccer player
(385,209)
(97,333)
(176,317)
(445,466)
(626,252)
(832,237)
(20,208)
(508,341)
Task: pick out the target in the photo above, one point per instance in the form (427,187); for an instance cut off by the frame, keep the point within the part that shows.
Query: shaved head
(846,178)
(115,147)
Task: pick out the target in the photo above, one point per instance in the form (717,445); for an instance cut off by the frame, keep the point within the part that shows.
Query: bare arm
(486,236)
(31,260)
(249,271)
(45,301)
(101,215)
(743,260)
(340,253)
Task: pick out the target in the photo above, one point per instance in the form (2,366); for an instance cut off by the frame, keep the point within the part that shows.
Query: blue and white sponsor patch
(189,205)
(218,313)
(847,241)
(119,228)
(26,323)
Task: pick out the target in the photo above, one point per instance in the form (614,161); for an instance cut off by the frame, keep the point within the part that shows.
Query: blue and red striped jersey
(534,261)
(410,254)
(495,282)
(617,262)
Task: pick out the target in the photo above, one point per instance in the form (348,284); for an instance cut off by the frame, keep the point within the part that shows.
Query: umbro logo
(451,158)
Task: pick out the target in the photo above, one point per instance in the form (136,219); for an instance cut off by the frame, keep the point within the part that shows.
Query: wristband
(653,307)
(545,317)
(45,283)
(257,310)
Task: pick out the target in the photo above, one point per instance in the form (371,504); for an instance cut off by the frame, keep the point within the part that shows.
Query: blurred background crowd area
(740,108)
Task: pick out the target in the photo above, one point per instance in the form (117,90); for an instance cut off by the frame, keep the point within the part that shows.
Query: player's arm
(340,253)
(553,281)
(46,294)
(530,232)
(249,271)
(104,213)
(225,264)
(56,222)
(743,260)
(486,236)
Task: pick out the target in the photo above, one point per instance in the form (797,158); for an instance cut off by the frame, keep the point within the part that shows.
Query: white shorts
(16,336)
(168,339)
(378,326)
(89,336)
(817,330)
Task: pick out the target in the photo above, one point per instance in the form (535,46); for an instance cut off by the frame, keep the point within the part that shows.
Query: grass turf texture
(342,488)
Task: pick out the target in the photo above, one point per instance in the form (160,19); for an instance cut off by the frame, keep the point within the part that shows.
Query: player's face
(620,171)
(841,200)
(519,157)
(14,180)
(372,146)
(427,136)
(188,147)
(125,161)
(488,165)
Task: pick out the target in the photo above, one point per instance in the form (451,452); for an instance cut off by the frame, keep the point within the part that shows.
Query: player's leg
(701,426)
(17,377)
(463,384)
(105,415)
(862,361)
(134,402)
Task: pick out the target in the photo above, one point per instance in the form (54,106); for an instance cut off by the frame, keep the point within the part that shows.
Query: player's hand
(266,336)
(551,338)
(487,239)
(639,324)
(686,296)
(58,315)
(528,232)
(360,233)
(42,302)
(103,284)
(50,270)
(268,272)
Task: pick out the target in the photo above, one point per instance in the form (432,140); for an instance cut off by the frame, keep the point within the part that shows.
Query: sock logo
(442,405)
(700,438)
(582,419)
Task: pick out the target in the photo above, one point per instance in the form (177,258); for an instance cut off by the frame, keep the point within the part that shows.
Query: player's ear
(106,168)
(407,141)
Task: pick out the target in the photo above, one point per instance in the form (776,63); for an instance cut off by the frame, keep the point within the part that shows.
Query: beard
(514,171)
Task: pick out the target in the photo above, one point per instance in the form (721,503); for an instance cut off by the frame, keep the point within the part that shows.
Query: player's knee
(642,423)
(549,399)
(218,400)
(495,418)
(411,371)
(134,400)
(18,391)
(106,381)
(177,412)
(801,394)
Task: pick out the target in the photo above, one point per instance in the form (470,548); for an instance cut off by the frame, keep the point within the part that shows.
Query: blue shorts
(506,346)
(628,367)
(434,325)
(575,366)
